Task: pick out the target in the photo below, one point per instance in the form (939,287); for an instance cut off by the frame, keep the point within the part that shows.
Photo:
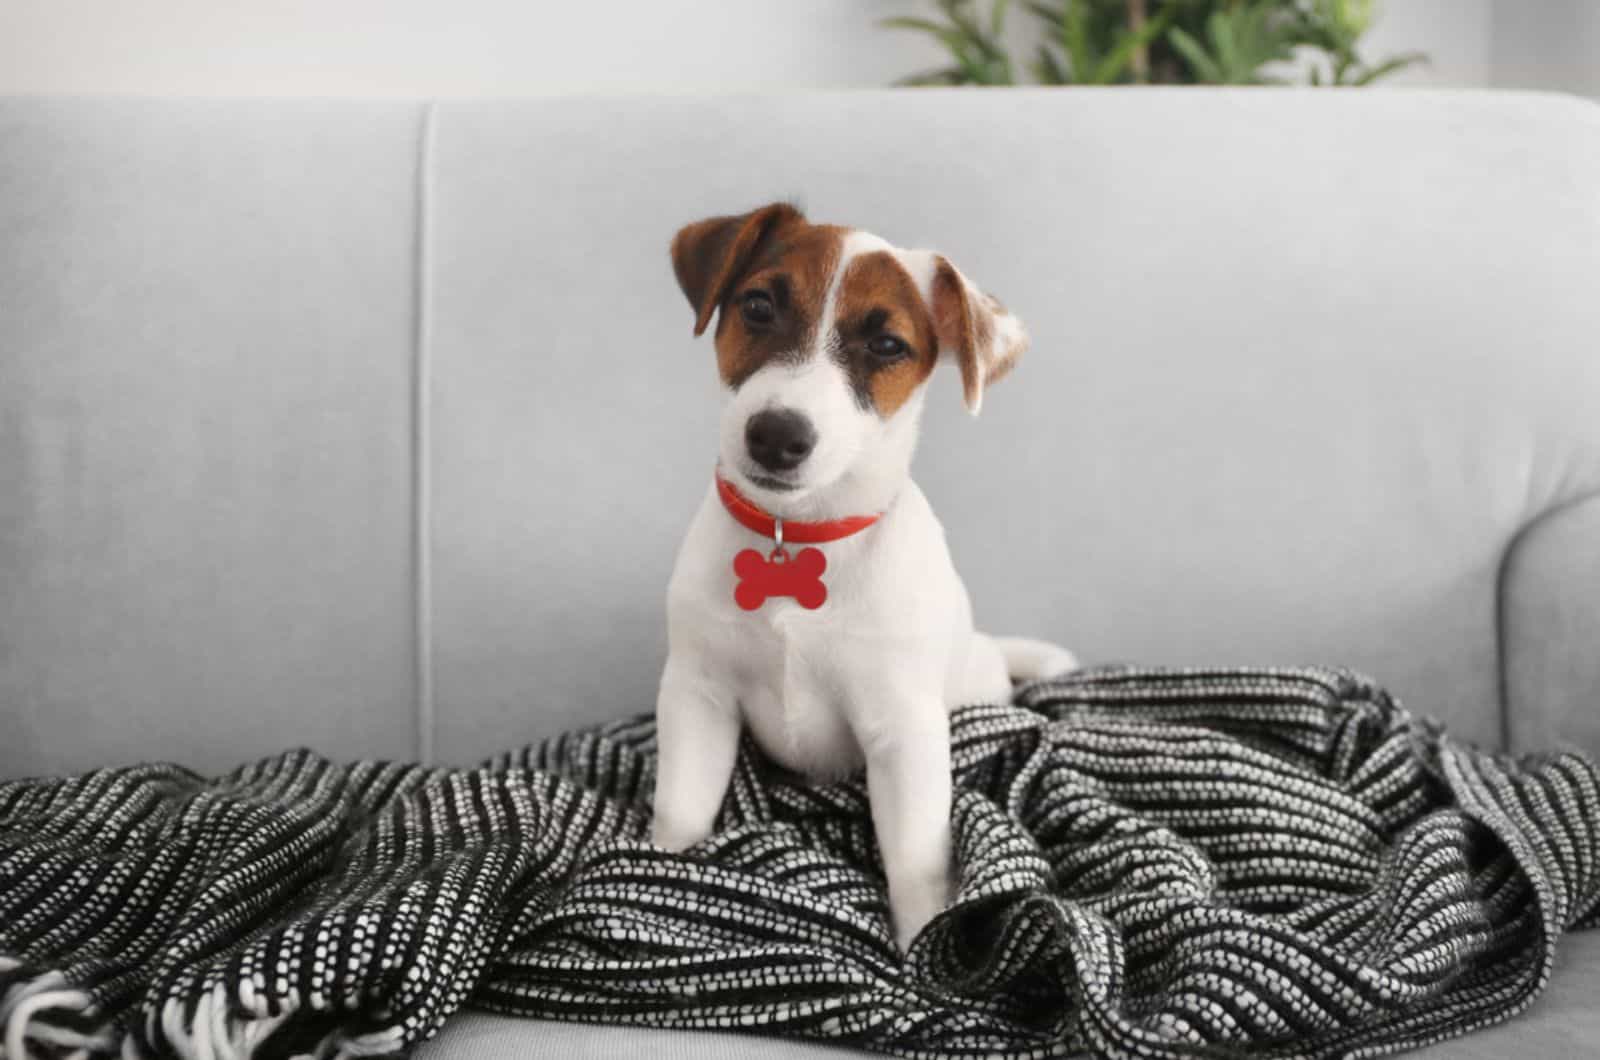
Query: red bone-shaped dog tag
(779,574)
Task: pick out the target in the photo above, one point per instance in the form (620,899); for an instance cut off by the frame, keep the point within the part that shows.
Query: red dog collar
(778,574)
(753,517)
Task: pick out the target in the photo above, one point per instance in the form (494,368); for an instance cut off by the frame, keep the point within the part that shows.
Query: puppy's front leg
(697,740)
(908,781)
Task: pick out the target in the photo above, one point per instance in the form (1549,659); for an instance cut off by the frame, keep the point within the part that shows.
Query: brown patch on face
(879,301)
(708,256)
(772,255)
(793,269)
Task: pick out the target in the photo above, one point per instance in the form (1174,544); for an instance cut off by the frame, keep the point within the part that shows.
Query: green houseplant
(1109,42)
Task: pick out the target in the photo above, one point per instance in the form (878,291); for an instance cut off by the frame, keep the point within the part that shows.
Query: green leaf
(949,37)
(947,76)
(1390,66)
(1117,59)
(1194,53)
(1092,41)
(1049,68)
(1075,37)
(974,70)
(960,47)
(997,17)
(911,22)
(1219,27)
(970,30)
(963,21)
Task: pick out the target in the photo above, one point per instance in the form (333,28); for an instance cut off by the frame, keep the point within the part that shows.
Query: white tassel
(215,1034)
(257,1031)
(202,1028)
(229,1035)
(17,1029)
(378,1043)
(37,985)
(19,1010)
(172,1026)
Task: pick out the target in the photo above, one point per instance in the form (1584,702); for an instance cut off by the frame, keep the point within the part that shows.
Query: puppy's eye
(757,308)
(887,348)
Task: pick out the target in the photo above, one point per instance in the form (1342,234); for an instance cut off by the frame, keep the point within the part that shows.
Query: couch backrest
(376,427)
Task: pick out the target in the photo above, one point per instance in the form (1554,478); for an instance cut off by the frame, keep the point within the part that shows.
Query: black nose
(779,439)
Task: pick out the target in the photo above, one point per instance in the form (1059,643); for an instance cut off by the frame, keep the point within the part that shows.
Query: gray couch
(374,427)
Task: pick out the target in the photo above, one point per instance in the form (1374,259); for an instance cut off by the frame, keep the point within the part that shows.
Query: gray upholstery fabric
(205,339)
(483,1036)
(1291,407)
(1551,619)
(1564,1022)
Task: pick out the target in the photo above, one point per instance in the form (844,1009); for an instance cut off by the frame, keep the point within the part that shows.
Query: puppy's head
(825,338)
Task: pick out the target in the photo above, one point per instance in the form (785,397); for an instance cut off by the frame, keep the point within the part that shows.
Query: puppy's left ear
(709,256)
(975,329)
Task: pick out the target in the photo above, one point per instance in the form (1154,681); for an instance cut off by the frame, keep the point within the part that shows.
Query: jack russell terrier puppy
(850,655)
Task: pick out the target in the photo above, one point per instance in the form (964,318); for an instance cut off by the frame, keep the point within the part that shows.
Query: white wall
(1550,44)
(434,48)
(1588,80)
(1456,34)
(437,48)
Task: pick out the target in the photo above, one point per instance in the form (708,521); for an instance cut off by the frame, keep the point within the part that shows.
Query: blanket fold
(1150,863)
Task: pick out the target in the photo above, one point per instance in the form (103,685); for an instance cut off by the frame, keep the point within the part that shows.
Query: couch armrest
(1550,630)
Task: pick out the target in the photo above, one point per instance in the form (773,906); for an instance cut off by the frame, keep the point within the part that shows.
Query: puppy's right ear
(710,255)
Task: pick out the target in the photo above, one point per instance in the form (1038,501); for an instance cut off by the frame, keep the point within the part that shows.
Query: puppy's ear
(976,330)
(709,256)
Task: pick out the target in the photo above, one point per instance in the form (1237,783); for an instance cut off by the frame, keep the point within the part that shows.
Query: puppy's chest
(796,673)
(779,665)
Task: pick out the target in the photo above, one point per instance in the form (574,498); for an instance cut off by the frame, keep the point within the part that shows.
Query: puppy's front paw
(913,905)
(669,836)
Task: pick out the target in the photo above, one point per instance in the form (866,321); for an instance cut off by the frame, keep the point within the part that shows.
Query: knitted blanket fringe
(1150,864)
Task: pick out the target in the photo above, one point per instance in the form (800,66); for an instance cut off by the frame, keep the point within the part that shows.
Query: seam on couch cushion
(421,437)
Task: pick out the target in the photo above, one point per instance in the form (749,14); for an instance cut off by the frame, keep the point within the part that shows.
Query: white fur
(868,679)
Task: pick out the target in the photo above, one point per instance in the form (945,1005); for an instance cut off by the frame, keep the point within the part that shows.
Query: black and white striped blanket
(1151,864)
